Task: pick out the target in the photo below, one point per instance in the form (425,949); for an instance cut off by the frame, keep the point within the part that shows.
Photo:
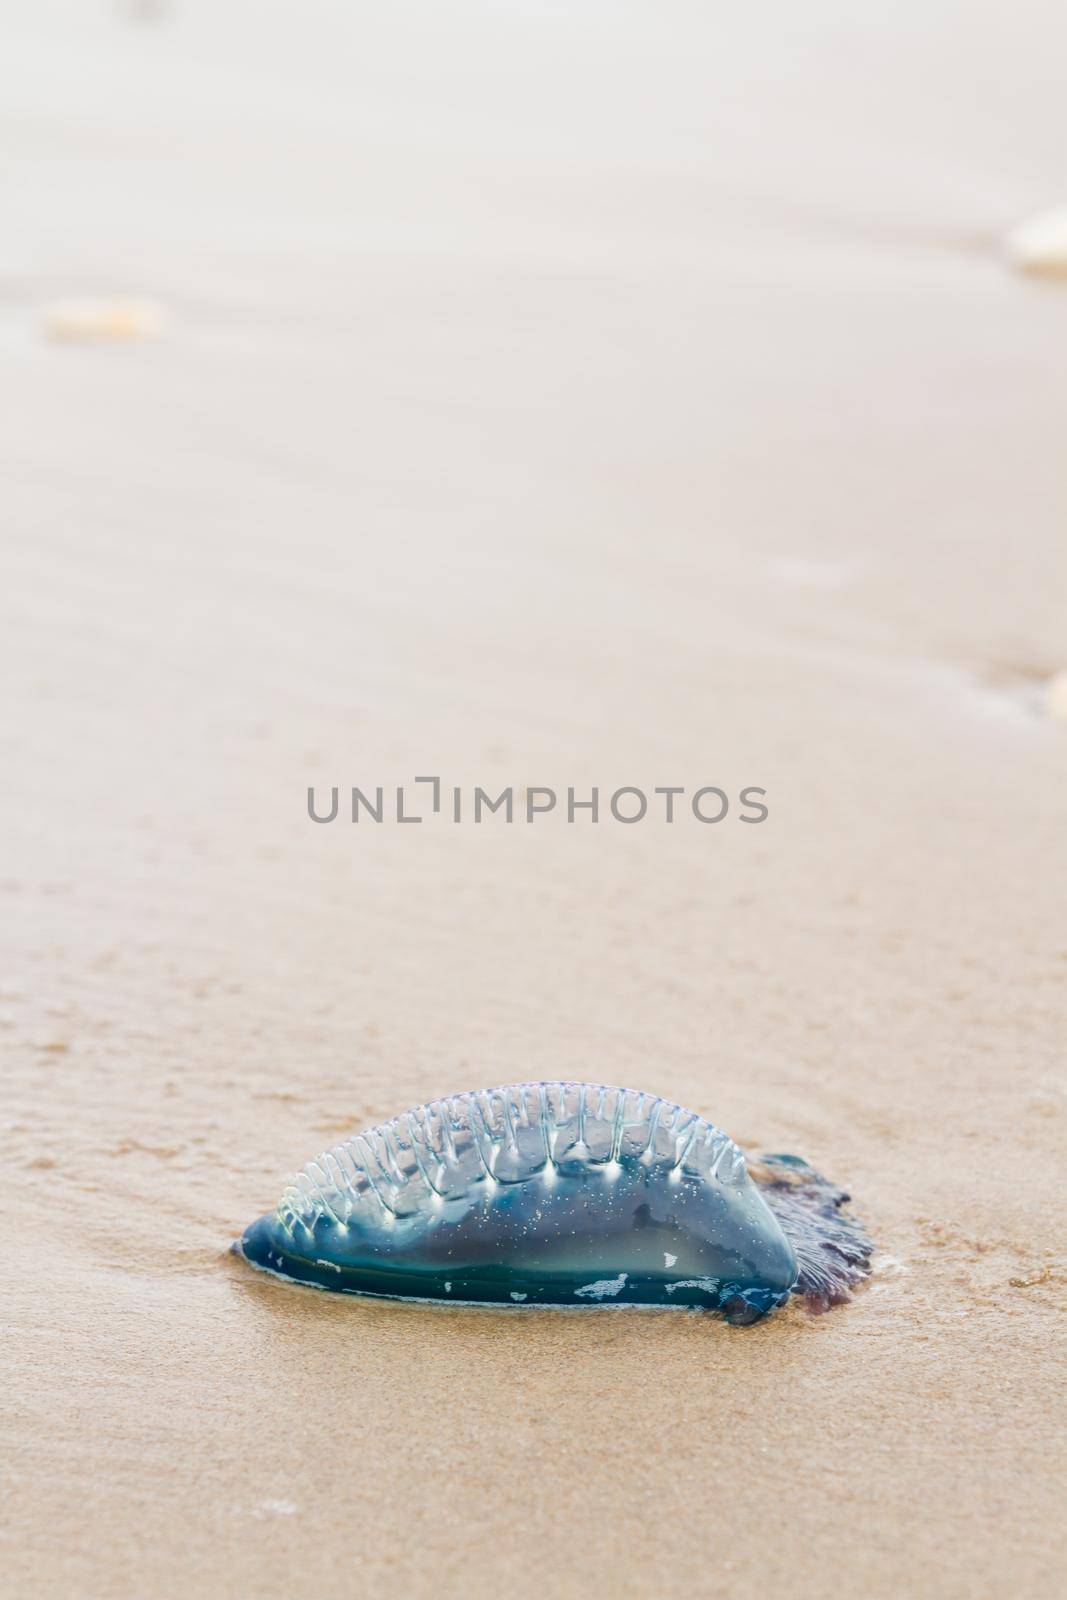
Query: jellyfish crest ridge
(449,1149)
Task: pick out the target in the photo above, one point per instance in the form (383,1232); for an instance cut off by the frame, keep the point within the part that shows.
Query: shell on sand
(112,321)
(1056,696)
(1039,245)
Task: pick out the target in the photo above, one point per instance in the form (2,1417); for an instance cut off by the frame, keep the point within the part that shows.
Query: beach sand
(529,395)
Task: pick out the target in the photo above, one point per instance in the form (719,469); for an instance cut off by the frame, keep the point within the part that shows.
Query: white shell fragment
(1056,696)
(113,321)
(1039,245)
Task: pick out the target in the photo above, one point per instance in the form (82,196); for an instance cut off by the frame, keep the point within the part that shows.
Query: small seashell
(102,321)
(1039,245)
(561,1194)
(1056,696)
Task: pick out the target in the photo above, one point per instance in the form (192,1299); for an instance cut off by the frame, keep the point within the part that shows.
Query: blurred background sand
(529,394)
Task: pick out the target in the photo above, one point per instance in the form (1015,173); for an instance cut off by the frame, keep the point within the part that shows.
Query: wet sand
(533,396)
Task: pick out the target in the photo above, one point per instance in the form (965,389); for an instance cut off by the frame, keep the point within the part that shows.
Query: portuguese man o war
(562,1194)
